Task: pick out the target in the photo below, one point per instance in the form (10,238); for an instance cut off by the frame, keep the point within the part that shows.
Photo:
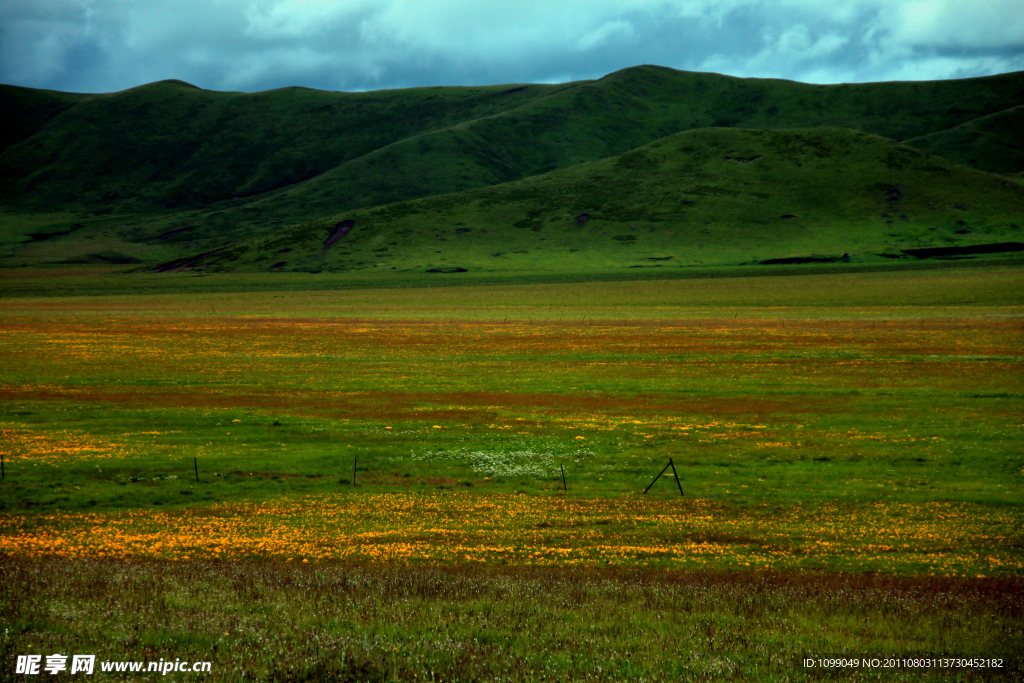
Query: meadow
(367,484)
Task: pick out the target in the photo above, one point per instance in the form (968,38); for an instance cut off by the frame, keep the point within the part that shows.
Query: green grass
(848,443)
(272,621)
(845,282)
(813,388)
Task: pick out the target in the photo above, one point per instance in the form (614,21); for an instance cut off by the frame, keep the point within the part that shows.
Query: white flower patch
(512,464)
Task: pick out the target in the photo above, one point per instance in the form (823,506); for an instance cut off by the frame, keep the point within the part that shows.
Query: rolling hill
(168,171)
(991,143)
(713,196)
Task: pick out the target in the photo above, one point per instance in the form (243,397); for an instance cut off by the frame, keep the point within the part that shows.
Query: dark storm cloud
(106,45)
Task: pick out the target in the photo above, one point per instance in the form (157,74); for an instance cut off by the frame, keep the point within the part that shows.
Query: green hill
(172,145)
(993,143)
(24,111)
(713,196)
(168,170)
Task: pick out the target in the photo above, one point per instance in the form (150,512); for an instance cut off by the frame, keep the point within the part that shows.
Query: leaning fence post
(656,479)
(195,463)
(676,475)
(564,487)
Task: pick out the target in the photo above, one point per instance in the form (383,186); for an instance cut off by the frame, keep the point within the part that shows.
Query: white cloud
(603,33)
(297,19)
(956,23)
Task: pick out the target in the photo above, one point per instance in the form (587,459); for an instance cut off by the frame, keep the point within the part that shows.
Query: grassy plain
(848,445)
(275,621)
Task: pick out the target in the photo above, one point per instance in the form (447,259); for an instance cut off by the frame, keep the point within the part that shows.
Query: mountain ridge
(167,169)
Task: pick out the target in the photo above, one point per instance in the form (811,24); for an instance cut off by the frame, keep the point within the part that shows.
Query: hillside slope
(710,196)
(170,144)
(24,111)
(165,170)
(623,111)
(993,143)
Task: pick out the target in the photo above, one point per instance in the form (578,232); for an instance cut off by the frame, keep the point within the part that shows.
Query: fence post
(564,487)
(676,475)
(195,463)
(656,479)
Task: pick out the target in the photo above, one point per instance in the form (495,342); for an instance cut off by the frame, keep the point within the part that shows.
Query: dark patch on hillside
(933,252)
(114,257)
(106,257)
(172,233)
(340,230)
(43,236)
(186,262)
(452,269)
(804,259)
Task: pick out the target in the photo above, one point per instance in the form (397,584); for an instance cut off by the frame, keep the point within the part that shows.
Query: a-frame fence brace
(674,474)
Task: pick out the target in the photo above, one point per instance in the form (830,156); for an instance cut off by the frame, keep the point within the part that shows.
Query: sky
(251,45)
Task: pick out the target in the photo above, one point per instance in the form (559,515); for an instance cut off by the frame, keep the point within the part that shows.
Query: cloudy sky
(248,45)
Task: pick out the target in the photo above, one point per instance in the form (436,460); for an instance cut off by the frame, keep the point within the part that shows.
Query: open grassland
(368,484)
(112,402)
(275,621)
(813,291)
(938,538)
